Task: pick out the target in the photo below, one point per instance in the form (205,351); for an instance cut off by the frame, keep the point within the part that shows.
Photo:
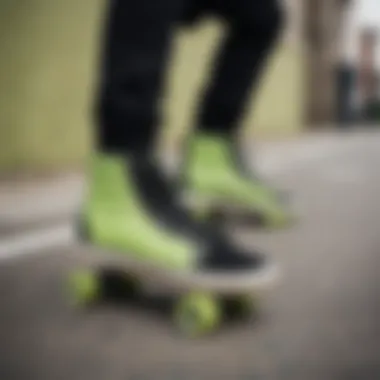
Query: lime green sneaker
(215,185)
(115,218)
(132,211)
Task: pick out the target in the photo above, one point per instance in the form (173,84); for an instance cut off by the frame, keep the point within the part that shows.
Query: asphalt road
(321,322)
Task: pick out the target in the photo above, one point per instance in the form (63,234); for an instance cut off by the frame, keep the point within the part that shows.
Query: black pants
(136,52)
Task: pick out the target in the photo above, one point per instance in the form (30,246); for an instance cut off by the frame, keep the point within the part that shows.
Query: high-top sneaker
(131,211)
(216,181)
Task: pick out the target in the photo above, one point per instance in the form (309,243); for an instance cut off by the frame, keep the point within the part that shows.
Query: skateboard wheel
(198,314)
(84,287)
(242,306)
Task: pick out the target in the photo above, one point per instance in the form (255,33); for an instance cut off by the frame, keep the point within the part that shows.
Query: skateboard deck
(201,301)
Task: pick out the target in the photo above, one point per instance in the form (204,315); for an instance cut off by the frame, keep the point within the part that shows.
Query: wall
(324,24)
(48,55)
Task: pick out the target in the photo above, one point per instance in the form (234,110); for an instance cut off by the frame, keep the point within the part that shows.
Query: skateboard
(201,303)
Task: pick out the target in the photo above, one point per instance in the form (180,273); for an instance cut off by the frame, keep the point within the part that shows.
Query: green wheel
(84,287)
(198,314)
(241,306)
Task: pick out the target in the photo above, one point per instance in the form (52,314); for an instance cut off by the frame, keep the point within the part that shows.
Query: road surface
(322,322)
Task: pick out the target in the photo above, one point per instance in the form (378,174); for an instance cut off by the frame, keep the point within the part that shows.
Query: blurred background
(324,74)
(315,129)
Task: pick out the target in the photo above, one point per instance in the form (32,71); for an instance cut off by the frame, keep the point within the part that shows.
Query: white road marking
(35,241)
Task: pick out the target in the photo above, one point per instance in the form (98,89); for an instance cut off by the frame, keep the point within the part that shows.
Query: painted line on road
(33,242)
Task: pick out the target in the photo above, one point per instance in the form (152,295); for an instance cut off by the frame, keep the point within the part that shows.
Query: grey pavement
(321,322)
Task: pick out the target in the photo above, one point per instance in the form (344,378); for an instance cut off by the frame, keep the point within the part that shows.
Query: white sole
(160,279)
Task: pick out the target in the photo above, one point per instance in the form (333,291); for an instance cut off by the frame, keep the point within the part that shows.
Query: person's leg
(254,27)
(136,50)
(130,206)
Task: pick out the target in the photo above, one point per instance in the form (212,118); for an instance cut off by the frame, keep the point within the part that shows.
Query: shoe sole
(158,278)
